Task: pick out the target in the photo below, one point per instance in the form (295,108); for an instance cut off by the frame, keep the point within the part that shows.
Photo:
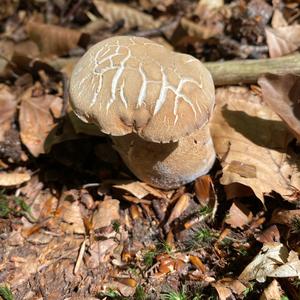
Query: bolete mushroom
(155,104)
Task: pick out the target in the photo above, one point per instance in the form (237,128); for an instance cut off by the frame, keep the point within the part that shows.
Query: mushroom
(153,102)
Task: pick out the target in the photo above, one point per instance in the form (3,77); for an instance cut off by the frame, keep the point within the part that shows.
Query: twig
(248,71)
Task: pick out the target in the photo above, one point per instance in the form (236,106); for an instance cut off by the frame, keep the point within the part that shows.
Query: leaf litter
(75,223)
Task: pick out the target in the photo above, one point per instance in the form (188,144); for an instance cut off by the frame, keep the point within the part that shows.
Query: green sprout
(139,293)
(116,226)
(149,257)
(173,295)
(203,236)
(6,293)
(205,210)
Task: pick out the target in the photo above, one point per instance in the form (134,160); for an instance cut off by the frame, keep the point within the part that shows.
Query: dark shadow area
(264,133)
(294,96)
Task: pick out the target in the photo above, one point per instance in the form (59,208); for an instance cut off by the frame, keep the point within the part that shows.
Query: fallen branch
(247,71)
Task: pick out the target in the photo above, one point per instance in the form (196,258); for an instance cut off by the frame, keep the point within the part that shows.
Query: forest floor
(76,224)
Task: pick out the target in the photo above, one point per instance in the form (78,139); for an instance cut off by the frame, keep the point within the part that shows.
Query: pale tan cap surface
(131,84)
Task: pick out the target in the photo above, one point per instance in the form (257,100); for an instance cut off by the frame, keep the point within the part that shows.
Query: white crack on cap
(131,84)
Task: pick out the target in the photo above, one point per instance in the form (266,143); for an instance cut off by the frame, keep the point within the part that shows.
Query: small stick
(249,70)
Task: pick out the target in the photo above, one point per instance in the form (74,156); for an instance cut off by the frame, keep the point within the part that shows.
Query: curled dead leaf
(239,215)
(71,215)
(273,260)
(107,212)
(251,142)
(53,39)
(283,40)
(8,106)
(114,12)
(272,292)
(180,206)
(281,93)
(13,178)
(36,120)
(285,217)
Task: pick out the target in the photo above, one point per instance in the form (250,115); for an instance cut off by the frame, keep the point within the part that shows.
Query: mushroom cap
(128,84)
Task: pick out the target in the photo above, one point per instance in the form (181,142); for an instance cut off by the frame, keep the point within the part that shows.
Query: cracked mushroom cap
(131,84)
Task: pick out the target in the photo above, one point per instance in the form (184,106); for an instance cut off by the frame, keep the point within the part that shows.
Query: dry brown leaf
(107,212)
(285,217)
(283,40)
(281,93)
(252,142)
(269,235)
(140,189)
(161,5)
(71,215)
(180,206)
(278,19)
(114,12)
(237,190)
(272,292)
(211,4)
(8,8)
(273,260)
(124,289)
(224,292)
(239,215)
(36,120)
(199,31)
(233,285)
(53,39)
(14,178)
(101,251)
(203,186)
(290,269)
(8,106)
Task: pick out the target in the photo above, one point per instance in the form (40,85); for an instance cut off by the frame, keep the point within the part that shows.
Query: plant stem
(248,71)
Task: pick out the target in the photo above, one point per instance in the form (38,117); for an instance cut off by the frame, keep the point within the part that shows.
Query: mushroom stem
(248,71)
(167,165)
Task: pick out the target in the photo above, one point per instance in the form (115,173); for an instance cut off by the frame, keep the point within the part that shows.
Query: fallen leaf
(273,260)
(283,40)
(290,269)
(203,186)
(14,178)
(281,93)
(140,189)
(53,39)
(101,252)
(8,8)
(199,31)
(234,285)
(115,12)
(211,4)
(124,289)
(36,120)
(237,190)
(251,142)
(285,217)
(278,19)
(8,106)
(107,212)
(224,292)
(195,260)
(272,292)
(71,215)
(180,206)
(238,215)
(269,235)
